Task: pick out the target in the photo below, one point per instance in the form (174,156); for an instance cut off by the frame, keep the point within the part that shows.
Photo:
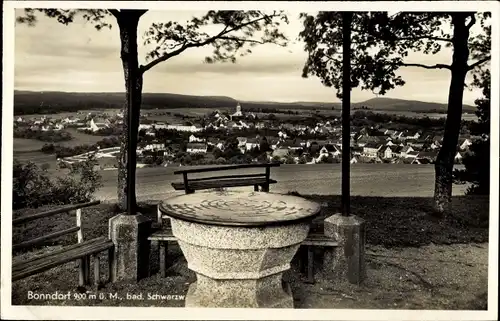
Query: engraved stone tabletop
(239,208)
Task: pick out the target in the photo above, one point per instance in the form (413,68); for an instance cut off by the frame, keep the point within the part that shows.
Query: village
(206,140)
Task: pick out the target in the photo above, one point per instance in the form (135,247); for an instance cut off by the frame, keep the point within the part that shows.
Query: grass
(27,145)
(391,222)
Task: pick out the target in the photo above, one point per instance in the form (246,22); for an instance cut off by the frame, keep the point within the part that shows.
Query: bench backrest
(266,174)
(41,239)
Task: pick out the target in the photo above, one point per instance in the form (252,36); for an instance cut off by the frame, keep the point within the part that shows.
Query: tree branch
(479,62)
(424,37)
(240,40)
(186,45)
(436,66)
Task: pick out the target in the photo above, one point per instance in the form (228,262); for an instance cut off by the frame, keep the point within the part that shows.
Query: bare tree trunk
(445,159)
(128,23)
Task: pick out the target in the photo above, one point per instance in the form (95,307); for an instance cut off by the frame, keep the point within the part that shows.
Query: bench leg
(163,259)
(111,264)
(265,188)
(81,270)
(87,269)
(310,265)
(97,269)
(256,188)
(302,258)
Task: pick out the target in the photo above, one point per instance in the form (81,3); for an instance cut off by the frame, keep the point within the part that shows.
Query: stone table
(239,244)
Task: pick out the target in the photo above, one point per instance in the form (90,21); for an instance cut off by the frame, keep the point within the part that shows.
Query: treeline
(57,102)
(44,136)
(62,151)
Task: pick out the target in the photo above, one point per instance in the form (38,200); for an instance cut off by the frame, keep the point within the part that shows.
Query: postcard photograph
(310,161)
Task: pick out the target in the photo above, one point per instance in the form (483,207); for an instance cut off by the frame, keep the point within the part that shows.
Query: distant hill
(392,104)
(30,102)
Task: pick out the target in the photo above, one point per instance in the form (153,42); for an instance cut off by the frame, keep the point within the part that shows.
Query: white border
(103,313)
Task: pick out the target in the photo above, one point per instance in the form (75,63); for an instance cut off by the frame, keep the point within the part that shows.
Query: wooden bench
(81,251)
(262,180)
(164,235)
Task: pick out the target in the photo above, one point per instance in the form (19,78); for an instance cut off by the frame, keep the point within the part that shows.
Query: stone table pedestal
(239,244)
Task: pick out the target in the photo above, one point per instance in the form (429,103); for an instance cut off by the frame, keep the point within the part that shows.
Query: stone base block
(132,248)
(268,292)
(347,261)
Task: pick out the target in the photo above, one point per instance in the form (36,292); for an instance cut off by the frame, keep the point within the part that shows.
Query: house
(371,149)
(459,156)
(330,149)
(58,127)
(194,139)
(412,135)
(155,146)
(417,144)
(463,144)
(412,154)
(354,160)
(357,151)
(241,141)
(184,128)
(93,126)
(405,150)
(196,148)
(160,126)
(280,152)
(251,143)
(390,151)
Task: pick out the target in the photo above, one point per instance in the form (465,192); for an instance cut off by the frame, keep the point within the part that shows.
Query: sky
(78,58)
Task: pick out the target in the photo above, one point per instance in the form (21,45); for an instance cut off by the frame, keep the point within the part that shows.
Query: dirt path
(453,277)
(429,277)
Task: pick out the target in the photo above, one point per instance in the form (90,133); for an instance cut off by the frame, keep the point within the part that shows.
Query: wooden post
(310,265)
(185,177)
(81,279)
(111,264)
(346,111)
(163,258)
(97,262)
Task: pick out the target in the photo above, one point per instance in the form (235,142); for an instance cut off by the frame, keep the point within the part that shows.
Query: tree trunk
(128,22)
(445,159)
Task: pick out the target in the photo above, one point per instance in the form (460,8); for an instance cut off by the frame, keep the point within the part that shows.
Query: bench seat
(208,184)
(67,254)
(163,235)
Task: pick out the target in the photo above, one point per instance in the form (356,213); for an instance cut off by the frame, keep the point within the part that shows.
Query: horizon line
(237,100)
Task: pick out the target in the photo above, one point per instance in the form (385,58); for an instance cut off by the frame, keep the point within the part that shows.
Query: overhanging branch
(436,66)
(479,62)
(210,40)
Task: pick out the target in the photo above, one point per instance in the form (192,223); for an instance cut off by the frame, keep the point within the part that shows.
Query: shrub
(33,187)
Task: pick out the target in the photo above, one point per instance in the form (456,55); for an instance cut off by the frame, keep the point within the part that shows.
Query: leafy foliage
(33,187)
(477,161)
(381,44)
(237,35)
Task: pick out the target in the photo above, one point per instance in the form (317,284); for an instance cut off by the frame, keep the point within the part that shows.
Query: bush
(33,187)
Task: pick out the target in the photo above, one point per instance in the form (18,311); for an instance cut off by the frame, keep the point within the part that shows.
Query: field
(23,145)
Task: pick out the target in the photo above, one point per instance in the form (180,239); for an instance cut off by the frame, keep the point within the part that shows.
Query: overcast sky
(77,58)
